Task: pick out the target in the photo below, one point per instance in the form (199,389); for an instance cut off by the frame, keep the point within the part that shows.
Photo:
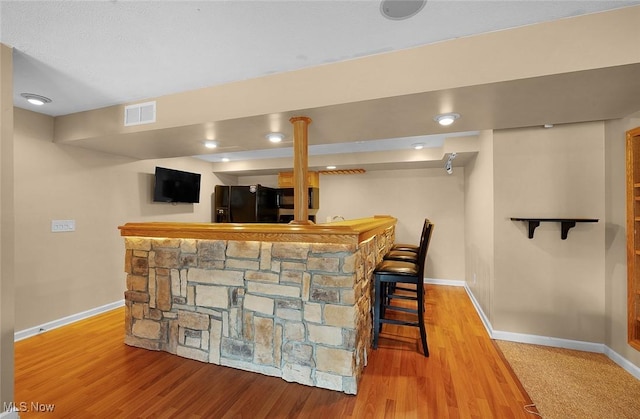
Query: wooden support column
(300,169)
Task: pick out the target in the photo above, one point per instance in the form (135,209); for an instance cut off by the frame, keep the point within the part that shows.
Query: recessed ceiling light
(331,167)
(418,146)
(401,9)
(275,137)
(548,125)
(35,99)
(225,159)
(446,118)
(210,144)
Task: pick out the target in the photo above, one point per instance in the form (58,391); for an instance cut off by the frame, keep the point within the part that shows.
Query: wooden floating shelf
(565,223)
(342,172)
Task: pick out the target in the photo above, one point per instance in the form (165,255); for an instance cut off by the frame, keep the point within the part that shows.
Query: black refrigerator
(245,204)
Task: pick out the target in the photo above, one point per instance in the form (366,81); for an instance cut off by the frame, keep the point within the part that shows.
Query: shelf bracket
(533,224)
(565,224)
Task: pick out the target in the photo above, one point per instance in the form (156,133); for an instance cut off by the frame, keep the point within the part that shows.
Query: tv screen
(176,186)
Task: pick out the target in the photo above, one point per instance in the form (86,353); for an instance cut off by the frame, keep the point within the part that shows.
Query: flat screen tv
(176,186)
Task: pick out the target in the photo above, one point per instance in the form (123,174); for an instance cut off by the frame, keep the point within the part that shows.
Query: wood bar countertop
(347,232)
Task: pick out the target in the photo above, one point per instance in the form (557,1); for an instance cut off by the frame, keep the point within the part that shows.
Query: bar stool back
(406,247)
(405,256)
(387,274)
(407,252)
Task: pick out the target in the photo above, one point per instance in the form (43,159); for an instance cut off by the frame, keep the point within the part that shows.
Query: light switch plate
(59,226)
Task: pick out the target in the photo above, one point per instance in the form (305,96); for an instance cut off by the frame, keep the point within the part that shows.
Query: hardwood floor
(86,371)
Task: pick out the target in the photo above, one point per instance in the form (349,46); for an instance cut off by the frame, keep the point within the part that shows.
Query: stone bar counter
(291,301)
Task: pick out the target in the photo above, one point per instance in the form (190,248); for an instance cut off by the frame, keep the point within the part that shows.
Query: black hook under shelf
(565,224)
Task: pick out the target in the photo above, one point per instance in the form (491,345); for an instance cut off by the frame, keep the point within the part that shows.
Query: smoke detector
(401,9)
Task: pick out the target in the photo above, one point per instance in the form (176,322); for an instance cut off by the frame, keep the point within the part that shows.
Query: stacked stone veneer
(300,311)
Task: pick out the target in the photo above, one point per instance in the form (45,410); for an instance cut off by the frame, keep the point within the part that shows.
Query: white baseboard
(554,342)
(32,331)
(483,317)
(449,282)
(623,362)
(577,345)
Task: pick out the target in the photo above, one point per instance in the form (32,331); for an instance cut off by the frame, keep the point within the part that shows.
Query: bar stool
(392,272)
(405,256)
(405,247)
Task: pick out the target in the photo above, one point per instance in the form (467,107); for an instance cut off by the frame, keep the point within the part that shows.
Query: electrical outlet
(59,226)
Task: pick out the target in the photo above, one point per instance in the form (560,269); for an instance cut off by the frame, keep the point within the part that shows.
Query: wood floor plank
(86,371)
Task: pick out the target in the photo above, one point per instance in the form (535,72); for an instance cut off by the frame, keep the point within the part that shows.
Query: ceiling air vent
(141,113)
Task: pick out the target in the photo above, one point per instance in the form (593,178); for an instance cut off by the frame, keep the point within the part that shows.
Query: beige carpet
(572,384)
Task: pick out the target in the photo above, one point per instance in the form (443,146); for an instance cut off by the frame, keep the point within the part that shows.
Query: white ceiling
(91,54)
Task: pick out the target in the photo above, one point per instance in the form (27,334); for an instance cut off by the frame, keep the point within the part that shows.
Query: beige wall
(615,244)
(410,196)
(61,274)
(572,289)
(479,224)
(547,286)
(6,226)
